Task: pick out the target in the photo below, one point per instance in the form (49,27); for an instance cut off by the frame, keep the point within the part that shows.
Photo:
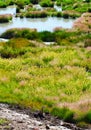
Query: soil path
(23,119)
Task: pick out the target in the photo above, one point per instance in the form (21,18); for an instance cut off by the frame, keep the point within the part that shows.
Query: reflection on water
(41,24)
(36,19)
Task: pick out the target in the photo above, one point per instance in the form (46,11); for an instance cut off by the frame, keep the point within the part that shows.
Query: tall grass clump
(5,18)
(14,48)
(34,1)
(87,117)
(47,36)
(22,3)
(64,113)
(36,14)
(20,32)
(46,3)
(3,4)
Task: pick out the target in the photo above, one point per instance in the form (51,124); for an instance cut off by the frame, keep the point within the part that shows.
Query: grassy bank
(59,36)
(70,8)
(56,78)
(5,18)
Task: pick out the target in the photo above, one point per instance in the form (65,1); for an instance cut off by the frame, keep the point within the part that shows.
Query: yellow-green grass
(57,78)
(3,121)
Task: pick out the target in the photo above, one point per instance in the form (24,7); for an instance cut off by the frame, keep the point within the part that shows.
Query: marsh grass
(57,77)
(20,32)
(36,14)
(60,36)
(5,18)
(64,113)
(46,76)
(3,121)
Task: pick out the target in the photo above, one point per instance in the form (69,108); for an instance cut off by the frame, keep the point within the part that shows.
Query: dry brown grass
(82,105)
(84,23)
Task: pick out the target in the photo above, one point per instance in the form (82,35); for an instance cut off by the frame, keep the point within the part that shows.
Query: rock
(20,120)
(47,127)
(35,129)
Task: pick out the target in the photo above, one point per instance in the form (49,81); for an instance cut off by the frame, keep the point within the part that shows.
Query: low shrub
(17,9)
(69,116)
(86,118)
(8,52)
(58,2)
(47,36)
(3,4)
(71,13)
(65,15)
(87,43)
(36,14)
(5,18)
(11,2)
(64,113)
(18,43)
(82,124)
(34,1)
(89,10)
(46,3)
(22,3)
(14,48)
(59,14)
(20,32)
(3,121)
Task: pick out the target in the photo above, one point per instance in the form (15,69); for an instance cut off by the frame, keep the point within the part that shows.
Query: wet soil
(20,118)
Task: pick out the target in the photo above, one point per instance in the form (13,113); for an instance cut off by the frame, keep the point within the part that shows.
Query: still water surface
(41,24)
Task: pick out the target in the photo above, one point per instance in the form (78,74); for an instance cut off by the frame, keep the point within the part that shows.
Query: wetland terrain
(45,64)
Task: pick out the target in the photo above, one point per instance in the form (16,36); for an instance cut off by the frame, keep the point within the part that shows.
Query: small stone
(11,128)
(35,129)
(47,127)
(20,121)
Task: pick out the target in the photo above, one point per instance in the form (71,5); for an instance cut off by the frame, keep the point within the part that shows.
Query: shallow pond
(8,10)
(41,24)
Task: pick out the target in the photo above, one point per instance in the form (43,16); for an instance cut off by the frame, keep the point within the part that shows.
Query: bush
(89,10)
(3,4)
(70,13)
(34,1)
(14,48)
(64,113)
(18,43)
(36,14)
(46,3)
(88,117)
(11,2)
(20,32)
(69,115)
(17,9)
(62,34)
(82,125)
(65,15)
(87,43)
(46,36)
(59,14)
(5,18)
(21,3)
